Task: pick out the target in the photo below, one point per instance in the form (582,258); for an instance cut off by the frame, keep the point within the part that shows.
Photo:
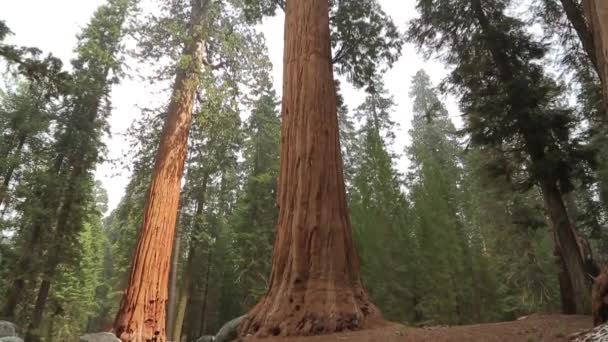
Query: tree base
(315,316)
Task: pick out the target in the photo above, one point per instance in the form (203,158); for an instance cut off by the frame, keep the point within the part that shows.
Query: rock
(7,329)
(11,339)
(206,338)
(98,337)
(597,334)
(229,331)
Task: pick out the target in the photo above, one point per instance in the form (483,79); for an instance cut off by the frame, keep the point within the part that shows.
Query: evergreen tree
(435,185)
(379,210)
(55,207)
(493,59)
(256,212)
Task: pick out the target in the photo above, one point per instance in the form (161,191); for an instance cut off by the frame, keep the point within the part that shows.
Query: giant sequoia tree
(142,311)
(315,285)
(512,105)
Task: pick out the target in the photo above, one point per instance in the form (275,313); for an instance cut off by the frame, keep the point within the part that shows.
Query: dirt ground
(533,328)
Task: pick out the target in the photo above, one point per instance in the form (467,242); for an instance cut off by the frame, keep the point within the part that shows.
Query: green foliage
(463,234)
(364,38)
(379,210)
(256,214)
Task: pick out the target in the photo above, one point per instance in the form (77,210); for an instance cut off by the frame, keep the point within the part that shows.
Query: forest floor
(533,328)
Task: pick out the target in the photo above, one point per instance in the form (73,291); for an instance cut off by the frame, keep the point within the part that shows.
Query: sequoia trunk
(315,287)
(596,12)
(142,312)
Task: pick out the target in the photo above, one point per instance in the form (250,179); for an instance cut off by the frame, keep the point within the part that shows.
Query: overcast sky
(52,27)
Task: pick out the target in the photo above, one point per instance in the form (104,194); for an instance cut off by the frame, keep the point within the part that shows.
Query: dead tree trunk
(142,312)
(315,286)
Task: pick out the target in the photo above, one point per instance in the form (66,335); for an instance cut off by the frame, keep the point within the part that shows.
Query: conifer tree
(435,181)
(493,81)
(53,211)
(378,208)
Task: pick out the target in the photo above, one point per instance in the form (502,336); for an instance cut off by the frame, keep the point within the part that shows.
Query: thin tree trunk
(315,286)
(205,293)
(187,288)
(596,12)
(142,312)
(171,308)
(184,295)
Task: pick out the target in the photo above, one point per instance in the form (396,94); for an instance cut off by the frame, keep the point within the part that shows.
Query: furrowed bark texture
(315,287)
(142,313)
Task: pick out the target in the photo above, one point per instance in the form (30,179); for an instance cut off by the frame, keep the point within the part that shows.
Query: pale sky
(52,27)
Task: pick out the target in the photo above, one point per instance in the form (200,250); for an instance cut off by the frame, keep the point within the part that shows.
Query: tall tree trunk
(315,286)
(32,334)
(566,242)
(142,312)
(566,292)
(596,12)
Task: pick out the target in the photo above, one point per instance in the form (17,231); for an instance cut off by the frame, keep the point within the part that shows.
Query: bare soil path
(534,328)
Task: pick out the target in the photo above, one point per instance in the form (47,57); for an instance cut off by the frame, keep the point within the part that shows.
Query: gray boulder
(206,338)
(98,337)
(229,331)
(11,339)
(7,329)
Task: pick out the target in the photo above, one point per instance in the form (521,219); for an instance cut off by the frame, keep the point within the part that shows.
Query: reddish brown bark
(599,298)
(142,313)
(315,287)
(596,13)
